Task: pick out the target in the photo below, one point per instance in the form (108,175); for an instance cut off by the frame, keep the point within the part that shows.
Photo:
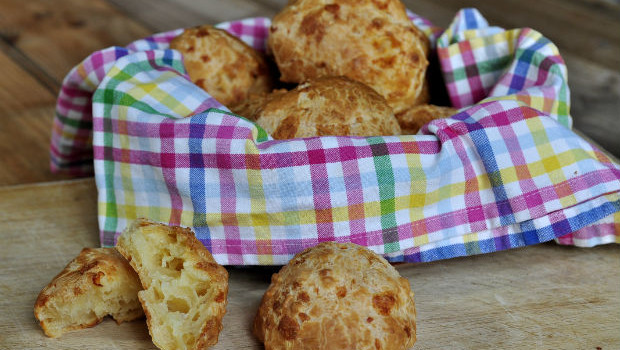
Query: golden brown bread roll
(252,106)
(367,40)
(185,290)
(327,106)
(414,118)
(97,283)
(221,64)
(337,296)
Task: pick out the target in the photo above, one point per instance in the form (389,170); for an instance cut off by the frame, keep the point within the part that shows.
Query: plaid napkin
(504,172)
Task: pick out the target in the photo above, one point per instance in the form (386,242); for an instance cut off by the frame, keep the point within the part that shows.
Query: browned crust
(327,106)
(90,270)
(337,296)
(202,260)
(414,118)
(252,106)
(221,64)
(367,40)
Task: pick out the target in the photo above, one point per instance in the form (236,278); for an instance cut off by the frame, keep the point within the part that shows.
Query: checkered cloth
(504,172)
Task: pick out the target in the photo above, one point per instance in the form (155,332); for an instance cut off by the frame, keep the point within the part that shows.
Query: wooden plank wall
(40,41)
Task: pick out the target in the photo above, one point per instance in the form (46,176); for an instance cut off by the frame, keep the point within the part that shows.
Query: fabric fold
(506,171)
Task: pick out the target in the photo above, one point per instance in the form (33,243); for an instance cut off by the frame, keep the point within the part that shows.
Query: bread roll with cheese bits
(371,41)
(251,107)
(221,64)
(185,290)
(414,118)
(97,283)
(337,296)
(327,106)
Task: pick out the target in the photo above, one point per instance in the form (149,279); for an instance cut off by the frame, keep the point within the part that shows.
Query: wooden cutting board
(539,297)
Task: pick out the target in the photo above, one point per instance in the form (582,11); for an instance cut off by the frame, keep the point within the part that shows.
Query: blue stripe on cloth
(120,52)
(519,74)
(529,235)
(197,178)
(168,58)
(487,156)
(471,19)
(524,64)
(289,194)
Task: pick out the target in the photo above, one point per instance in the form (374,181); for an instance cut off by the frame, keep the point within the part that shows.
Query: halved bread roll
(185,289)
(97,283)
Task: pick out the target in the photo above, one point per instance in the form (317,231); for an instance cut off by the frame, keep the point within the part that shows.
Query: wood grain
(539,297)
(19,90)
(27,110)
(595,101)
(40,41)
(59,34)
(163,15)
(588,29)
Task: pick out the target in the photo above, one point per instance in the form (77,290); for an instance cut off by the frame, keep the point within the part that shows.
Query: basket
(506,171)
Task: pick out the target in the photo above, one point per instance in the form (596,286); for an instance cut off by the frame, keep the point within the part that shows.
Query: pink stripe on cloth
(168,168)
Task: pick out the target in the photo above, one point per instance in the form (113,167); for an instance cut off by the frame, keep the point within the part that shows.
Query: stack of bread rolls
(324,49)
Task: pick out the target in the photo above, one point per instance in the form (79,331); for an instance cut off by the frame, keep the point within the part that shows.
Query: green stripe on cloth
(75,123)
(387,193)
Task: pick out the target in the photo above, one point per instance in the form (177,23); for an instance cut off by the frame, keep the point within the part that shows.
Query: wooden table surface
(538,297)
(542,297)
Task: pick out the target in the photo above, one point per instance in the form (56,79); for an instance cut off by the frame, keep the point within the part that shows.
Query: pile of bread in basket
(344,67)
(352,68)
